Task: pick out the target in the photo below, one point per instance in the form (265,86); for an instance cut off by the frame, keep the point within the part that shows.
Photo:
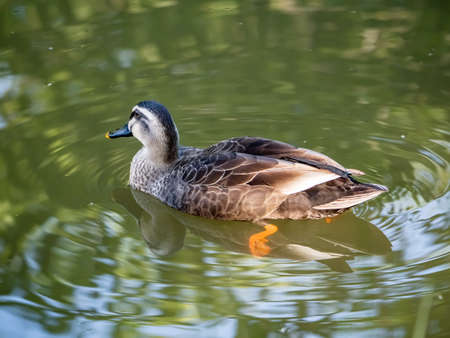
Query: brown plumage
(245,178)
(253,178)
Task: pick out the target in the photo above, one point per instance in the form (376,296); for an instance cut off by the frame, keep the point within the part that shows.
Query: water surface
(367,83)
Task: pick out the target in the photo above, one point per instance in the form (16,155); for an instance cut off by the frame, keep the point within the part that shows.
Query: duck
(245,178)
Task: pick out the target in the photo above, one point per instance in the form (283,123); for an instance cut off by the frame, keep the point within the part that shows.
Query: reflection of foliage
(345,77)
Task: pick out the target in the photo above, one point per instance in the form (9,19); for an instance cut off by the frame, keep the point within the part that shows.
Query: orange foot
(257,242)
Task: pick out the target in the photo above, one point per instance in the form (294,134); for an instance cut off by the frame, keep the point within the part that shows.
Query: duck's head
(150,122)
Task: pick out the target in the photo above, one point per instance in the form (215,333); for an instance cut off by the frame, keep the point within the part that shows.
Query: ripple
(423,171)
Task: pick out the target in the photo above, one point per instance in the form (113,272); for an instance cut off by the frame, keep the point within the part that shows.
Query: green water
(366,82)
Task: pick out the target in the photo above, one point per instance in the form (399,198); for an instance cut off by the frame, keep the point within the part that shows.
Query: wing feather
(271,148)
(349,201)
(293,179)
(236,179)
(237,168)
(231,163)
(213,177)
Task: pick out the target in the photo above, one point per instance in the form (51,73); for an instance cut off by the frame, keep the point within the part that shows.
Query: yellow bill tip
(107,135)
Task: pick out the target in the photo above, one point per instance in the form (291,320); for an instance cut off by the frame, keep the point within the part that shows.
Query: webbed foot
(257,242)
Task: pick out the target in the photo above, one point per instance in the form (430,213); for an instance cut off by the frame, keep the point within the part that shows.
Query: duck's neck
(159,157)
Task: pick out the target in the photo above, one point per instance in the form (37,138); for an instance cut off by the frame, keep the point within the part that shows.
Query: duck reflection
(330,243)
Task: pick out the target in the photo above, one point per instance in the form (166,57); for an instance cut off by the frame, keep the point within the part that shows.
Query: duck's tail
(349,196)
(359,193)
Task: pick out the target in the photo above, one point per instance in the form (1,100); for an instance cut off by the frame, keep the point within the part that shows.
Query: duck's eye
(135,114)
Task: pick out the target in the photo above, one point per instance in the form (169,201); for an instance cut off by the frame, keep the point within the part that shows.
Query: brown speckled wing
(254,178)
(224,169)
(274,149)
(229,169)
(218,186)
(231,185)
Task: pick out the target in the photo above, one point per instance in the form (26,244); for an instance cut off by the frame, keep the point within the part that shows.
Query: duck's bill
(122,132)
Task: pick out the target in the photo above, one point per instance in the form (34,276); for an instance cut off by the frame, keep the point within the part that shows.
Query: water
(364,82)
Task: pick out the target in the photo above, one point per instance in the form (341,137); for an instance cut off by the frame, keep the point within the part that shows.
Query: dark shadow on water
(332,244)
